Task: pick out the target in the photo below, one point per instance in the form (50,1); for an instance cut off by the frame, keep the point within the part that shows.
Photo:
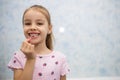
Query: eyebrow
(26,19)
(40,20)
(36,20)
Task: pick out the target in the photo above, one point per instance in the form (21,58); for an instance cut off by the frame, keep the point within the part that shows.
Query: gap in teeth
(34,34)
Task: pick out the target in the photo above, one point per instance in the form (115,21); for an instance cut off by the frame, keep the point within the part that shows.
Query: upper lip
(33,32)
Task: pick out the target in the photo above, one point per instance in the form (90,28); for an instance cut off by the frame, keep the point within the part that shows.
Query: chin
(35,43)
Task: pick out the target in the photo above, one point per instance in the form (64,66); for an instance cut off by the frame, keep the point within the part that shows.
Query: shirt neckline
(44,55)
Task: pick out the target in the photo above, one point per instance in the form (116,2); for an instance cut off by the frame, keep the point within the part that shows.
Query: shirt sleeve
(15,63)
(65,68)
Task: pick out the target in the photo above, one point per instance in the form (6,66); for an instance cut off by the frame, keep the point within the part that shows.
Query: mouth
(33,34)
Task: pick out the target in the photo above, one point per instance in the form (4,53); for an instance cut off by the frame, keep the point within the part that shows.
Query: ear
(49,29)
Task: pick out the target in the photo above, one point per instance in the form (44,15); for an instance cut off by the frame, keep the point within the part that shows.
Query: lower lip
(33,37)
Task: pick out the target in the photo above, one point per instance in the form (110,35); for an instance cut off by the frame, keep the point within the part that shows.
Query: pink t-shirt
(47,67)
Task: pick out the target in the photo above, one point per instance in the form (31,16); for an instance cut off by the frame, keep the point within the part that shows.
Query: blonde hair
(43,10)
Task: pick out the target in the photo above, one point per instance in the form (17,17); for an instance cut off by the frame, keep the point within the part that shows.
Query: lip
(33,35)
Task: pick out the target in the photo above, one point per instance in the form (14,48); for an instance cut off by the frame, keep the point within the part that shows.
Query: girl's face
(35,26)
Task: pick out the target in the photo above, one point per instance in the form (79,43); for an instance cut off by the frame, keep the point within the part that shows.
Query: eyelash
(39,23)
(27,23)
(36,23)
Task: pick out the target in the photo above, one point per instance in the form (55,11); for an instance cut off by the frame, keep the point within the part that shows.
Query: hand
(28,49)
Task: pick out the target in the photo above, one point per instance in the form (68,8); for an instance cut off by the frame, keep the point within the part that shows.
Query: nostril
(33,29)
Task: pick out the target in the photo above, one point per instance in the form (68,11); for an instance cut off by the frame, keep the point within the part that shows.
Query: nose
(33,27)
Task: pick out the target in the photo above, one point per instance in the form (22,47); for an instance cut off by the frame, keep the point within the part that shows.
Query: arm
(27,73)
(63,77)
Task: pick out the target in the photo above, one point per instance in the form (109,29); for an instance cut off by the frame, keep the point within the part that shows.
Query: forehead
(40,10)
(34,14)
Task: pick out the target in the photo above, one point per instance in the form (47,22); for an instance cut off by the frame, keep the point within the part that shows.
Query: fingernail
(28,40)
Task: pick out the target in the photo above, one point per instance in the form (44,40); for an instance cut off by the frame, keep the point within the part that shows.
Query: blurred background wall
(86,31)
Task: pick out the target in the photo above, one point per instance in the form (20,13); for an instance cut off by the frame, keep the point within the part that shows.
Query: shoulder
(17,61)
(19,54)
(59,54)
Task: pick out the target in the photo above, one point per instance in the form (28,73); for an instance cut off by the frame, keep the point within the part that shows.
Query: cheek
(25,32)
(44,30)
(44,33)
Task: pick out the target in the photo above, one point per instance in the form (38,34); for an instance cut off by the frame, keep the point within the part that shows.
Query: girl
(36,59)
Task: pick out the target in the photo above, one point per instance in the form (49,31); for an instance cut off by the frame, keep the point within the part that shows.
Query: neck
(42,49)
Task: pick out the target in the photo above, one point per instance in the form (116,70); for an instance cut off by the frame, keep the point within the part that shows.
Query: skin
(34,22)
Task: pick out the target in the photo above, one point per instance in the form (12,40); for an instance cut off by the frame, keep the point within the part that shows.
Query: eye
(39,23)
(27,24)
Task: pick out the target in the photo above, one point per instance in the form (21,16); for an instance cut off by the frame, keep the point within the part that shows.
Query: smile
(33,35)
